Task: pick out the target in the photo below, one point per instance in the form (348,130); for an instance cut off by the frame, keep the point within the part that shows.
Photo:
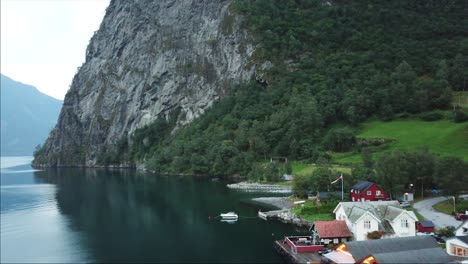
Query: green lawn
(443,137)
(447,206)
(324,214)
(418,215)
(308,169)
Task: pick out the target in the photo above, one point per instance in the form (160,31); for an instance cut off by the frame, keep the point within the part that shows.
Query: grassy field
(443,137)
(308,169)
(447,206)
(418,215)
(318,214)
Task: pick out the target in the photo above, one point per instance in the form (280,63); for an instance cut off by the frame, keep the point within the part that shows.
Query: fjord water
(91,215)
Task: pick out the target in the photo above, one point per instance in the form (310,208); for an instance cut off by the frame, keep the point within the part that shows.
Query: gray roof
(463,238)
(427,255)
(397,249)
(427,223)
(385,211)
(362,185)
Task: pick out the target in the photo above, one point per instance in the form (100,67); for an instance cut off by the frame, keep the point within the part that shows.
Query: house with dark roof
(425,226)
(367,191)
(385,217)
(417,249)
(331,232)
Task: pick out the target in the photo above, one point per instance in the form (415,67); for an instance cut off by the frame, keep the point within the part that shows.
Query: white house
(457,246)
(386,217)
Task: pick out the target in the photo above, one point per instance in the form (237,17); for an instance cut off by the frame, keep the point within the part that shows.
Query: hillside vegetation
(442,137)
(335,65)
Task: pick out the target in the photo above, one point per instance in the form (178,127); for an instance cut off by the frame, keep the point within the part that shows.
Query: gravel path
(278,202)
(259,187)
(440,220)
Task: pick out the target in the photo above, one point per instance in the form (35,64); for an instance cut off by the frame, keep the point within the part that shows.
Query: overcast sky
(43,42)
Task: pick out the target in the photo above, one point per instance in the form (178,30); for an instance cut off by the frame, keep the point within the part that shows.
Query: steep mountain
(149,60)
(27,117)
(212,87)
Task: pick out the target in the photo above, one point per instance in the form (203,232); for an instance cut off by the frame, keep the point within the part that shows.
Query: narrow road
(440,220)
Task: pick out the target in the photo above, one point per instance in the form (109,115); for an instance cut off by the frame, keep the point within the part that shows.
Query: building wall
(360,232)
(369,197)
(420,228)
(401,231)
(456,247)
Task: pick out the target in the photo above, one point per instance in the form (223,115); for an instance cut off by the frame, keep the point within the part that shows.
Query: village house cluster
(372,229)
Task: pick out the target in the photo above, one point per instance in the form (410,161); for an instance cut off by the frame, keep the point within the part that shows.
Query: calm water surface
(86,215)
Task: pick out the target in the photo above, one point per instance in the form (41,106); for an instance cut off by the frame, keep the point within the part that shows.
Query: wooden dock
(290,257)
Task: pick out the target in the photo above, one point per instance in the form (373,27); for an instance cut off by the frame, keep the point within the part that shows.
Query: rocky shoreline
(259,187)
(279,202)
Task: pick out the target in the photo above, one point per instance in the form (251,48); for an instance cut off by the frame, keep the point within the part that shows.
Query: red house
(367,191)
(425,227)
(331,232)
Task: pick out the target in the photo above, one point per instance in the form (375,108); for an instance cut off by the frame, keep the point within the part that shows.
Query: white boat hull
(229,216)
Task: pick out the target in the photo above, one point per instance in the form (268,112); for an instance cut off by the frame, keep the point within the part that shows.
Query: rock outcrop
(149,59)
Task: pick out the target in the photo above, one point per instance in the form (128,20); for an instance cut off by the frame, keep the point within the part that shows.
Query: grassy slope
(442,137)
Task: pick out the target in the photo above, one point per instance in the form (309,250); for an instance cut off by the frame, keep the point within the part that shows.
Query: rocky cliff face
(148,59)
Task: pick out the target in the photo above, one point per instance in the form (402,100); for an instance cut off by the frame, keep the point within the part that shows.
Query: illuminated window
(366,224)
(404,223)
(459,251)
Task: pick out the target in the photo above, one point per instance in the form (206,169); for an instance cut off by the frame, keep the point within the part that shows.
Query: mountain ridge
(23,109)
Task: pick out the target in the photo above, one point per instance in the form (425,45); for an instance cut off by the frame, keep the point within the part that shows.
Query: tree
(402,87)
(339,139)
(458,75)
(301,186)
(391,172)
(440,93)
(451,175)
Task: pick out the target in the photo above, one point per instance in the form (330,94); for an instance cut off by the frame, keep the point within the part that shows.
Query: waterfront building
(384,219)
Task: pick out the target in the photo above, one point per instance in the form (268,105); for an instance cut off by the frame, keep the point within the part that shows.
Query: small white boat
(229,216)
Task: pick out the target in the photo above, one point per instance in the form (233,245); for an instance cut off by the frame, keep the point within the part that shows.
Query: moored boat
(229,216)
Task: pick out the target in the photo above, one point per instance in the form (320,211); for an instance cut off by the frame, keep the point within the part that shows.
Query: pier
(285,216)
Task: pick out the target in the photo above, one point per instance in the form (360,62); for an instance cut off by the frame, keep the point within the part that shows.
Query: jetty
(285,216)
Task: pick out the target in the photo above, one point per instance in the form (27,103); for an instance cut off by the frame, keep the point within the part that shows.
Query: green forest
(337,64)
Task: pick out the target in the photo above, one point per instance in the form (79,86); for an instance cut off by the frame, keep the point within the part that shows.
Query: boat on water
(229,216)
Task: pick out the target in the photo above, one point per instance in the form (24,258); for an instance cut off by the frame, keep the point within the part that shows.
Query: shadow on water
(133,216)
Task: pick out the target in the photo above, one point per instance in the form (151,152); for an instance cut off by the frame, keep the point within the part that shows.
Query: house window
(459,251)
(369,192)
(404,223)
(378,192)
(366,224)
(336,241)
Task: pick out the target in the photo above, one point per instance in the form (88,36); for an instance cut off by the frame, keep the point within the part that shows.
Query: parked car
(405,204)
(438,238)
(461,217)
(324,251)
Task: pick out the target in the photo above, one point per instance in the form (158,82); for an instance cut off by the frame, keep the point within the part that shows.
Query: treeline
(394,172)
(336,63)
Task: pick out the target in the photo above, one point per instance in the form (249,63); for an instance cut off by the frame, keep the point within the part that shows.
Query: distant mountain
(27,116)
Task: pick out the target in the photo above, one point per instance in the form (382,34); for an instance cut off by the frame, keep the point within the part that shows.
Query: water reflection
(128,216)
